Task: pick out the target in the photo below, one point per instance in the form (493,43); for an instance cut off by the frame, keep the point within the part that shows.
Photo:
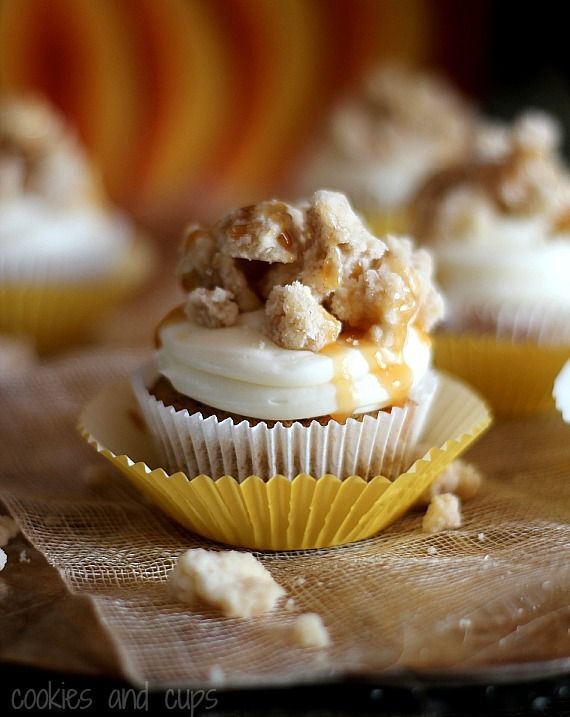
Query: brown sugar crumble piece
(296,320)
(460,478)
(269,231)
(315,268)
(213,308)
(443,513)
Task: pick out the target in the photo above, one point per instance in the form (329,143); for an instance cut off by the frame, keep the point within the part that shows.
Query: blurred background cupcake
(382,142)
(66,255)
(498,224)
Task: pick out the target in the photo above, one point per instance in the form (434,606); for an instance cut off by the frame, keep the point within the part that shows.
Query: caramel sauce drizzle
(396,378)
(177,314)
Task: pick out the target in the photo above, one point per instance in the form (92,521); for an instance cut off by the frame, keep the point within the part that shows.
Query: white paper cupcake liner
(367,447)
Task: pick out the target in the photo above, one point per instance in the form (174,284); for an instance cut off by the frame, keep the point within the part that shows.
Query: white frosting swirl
(239,370)
(507,260)
(41,241)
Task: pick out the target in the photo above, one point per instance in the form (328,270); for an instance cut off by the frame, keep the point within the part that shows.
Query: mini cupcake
(499,227)
(289,393)
(302,346)
(65,253)
(397,129)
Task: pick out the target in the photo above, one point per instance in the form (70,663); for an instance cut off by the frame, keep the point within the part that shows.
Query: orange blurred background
(191,106)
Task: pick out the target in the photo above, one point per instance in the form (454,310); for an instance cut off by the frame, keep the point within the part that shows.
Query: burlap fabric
(491,598)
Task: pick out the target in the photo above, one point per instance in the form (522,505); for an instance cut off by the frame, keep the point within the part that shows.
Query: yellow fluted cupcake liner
(278,513)
(394,221)
(516,378)
(58,313)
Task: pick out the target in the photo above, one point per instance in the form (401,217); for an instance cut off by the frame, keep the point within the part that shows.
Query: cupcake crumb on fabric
(460,478)
(234,583)
(443,513)
(308,630)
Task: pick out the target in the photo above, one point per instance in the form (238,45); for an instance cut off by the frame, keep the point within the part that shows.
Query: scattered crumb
(299,581)
(310,631)
(8,529)
(3,559)
(480,537)
(432,550)
(290,604)
(216,675)
(460,478)
(465,622)
(24,557)
(235,583)
(443,513)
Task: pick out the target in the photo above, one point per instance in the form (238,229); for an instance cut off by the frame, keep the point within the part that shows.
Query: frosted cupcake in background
(499,227)
(381,143)
(65,253)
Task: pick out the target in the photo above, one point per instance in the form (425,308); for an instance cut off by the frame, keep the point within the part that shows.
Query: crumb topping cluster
(514,172)
(39,155)
(395,104)
(316,270)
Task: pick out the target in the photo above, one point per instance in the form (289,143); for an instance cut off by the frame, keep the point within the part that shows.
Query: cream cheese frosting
(510,261)
(55,221)
(240,370)
(38,240)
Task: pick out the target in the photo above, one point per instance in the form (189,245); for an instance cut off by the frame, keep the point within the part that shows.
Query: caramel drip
(285,239)
(395,377)
(331,271)
(177,314)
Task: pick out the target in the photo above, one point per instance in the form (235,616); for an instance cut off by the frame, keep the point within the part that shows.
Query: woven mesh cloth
(492,596)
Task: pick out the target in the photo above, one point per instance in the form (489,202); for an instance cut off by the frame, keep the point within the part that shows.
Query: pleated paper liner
(282,514)
(381,444)
(54,314)
(516,378)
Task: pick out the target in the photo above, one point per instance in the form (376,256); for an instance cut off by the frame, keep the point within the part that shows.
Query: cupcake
(290,392)
(302,347)
(381,144)
(499,226)
(65,252)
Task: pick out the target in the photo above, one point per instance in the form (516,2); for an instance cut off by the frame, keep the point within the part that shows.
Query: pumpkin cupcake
(66,254)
